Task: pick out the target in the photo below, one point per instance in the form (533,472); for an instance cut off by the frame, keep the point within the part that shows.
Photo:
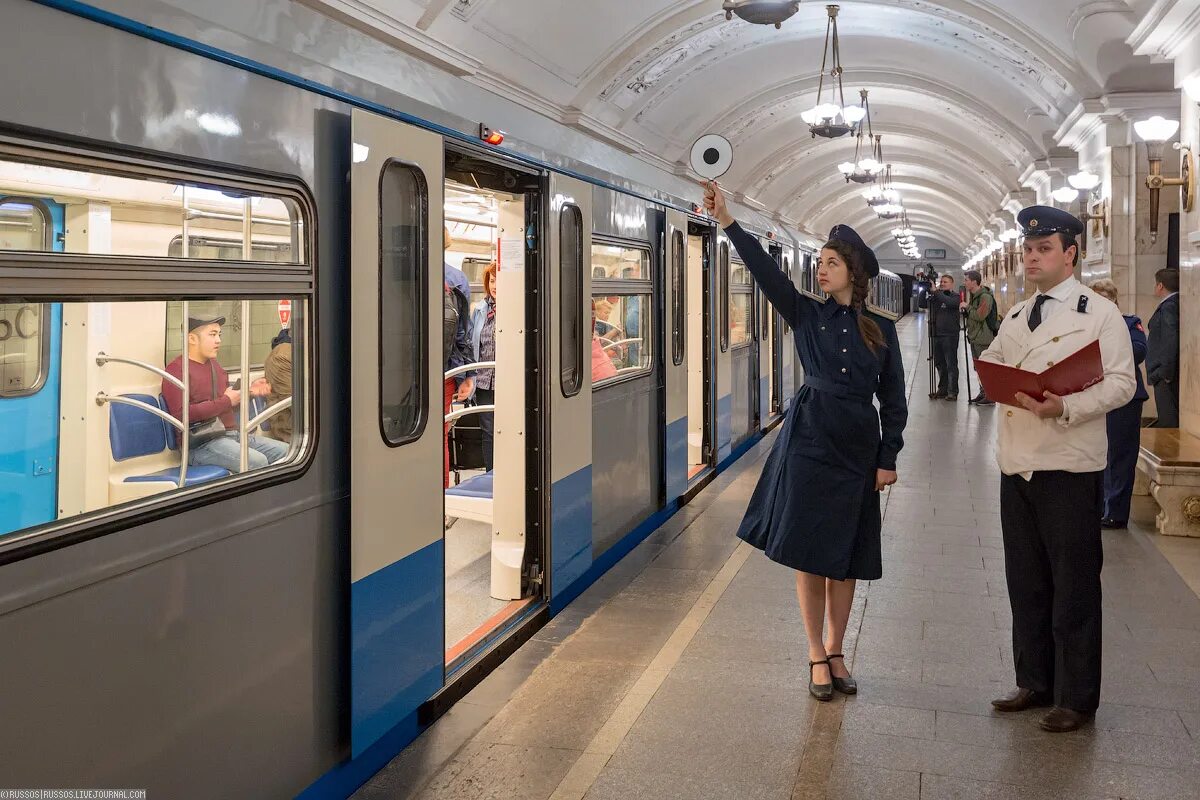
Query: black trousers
(1052,560)
(945,358)
(1124,443)
(487,423)
(1166,400)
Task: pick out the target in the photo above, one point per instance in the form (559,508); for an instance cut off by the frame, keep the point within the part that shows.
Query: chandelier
(883,199)
(762,12)
(905,238)
(864,168)
(832,118)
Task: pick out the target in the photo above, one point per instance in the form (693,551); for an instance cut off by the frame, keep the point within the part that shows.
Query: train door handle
(42,467)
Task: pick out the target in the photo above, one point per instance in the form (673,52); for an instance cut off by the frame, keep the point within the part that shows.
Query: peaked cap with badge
(1038,221)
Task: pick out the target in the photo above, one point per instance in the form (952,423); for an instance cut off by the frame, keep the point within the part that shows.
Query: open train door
(675,462)
(397,591)
(570,376)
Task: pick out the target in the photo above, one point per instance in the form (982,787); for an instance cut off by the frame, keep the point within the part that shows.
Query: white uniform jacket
(1078,440)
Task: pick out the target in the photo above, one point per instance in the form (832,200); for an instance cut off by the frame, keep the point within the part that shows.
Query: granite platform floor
(682,673)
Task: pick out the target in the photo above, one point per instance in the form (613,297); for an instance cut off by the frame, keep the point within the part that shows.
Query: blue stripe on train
(571,529)
(397,633)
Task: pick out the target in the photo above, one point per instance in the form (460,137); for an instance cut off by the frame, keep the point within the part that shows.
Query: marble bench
(1170,461)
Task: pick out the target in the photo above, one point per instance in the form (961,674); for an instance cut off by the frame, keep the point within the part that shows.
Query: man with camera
(943,319)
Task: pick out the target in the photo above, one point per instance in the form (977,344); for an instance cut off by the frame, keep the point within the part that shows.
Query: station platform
(682,673)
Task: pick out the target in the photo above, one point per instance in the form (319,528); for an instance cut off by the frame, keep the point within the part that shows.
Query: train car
(231,563)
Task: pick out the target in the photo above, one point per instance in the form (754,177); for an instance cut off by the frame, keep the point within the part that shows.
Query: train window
(741,307)
(24,346)
(787,268)
(403,345)
(131,215)
(766,318)
(118,431)
(570,227)
(622,293)
(678,306)
(723,278)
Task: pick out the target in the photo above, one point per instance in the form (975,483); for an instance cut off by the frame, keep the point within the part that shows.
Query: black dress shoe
(937,395)
(985,402)
(845,685)
(1112,524)
(1064,720)
(1020,700)
(953,398)
(821,691)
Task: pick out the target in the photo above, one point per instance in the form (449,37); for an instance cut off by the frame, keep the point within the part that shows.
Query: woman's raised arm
(776,285)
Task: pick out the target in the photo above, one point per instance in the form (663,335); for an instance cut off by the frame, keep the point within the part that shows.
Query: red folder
(1074,373)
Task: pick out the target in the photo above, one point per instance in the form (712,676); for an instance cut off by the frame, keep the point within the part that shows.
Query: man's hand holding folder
(1041,392)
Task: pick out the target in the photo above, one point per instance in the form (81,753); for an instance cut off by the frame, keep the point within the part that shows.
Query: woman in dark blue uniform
(1124,427)
(816,506)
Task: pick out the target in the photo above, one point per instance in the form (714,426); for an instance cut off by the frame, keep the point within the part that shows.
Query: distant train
(286,611)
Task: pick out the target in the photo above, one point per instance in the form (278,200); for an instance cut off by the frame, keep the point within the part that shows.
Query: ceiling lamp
(1156,131)
(762,12)
(1065,195)
(866,166)
(832,118)
(884,199)
(1084,181)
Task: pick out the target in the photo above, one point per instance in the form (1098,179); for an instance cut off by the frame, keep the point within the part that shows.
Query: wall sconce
(1091,208)
(1155,132)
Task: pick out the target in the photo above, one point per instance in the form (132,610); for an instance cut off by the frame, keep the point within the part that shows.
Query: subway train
(280,614)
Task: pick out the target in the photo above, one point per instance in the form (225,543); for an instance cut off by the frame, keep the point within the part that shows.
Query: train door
(397,594)
(783,343)
(30,336)
(676,355)
(723,357)
(569,359)
(699,344)
(771,360)
(743,351)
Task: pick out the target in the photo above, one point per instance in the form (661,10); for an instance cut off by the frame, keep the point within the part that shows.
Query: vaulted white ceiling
(967,93)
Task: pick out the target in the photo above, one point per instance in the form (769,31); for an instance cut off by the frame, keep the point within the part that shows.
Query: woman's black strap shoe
(821,691)
(845,685)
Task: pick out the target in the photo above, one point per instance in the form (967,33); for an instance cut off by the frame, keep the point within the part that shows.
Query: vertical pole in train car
(184,362)
(244,406)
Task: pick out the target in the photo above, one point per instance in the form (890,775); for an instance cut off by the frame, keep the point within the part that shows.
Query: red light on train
(490,136)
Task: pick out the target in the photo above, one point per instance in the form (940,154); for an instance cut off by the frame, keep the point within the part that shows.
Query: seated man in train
(601,311)
(602,365)
(277,371)
(211,397)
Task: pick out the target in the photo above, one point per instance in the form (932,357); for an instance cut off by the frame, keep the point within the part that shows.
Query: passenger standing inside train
(943,316)
(1052,455)
(816,506)
(483,340)
(1162,357)
(459,388)
(1124,427)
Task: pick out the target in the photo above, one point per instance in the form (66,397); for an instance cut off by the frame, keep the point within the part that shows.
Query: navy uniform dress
(815,508)
(1124,437)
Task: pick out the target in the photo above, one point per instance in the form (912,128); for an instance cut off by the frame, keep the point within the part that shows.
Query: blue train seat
(471,499)
(257,406)
(135,433)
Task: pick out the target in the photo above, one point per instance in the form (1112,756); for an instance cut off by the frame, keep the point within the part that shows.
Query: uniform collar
(830,307)
(1063,291)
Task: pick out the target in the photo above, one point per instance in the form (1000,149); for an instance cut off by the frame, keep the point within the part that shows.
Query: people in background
(601,311)
(602,365)
(211,397)
(943,316)
(277,370)
(982,322)
(483,341)
(1162,356)
(1124,427)
(458,346)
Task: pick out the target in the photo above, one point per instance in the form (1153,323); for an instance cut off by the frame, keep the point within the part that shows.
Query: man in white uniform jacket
(1052,455)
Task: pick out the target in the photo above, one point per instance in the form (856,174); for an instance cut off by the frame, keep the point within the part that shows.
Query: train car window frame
(787,270)
(743,289)
(723,293)
(84,278)
(9,328)
(678,298)
(642,288)
(421,287)
(571,304)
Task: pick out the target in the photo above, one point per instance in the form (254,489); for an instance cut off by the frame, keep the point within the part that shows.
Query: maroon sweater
(201,405)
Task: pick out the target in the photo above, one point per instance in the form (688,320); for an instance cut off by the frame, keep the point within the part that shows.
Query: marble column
(1189,287)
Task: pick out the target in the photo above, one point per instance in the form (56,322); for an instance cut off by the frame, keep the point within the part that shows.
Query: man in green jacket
(981,316)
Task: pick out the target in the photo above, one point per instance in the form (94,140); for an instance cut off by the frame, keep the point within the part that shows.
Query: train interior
(85,421)
(487,210)
(701,455)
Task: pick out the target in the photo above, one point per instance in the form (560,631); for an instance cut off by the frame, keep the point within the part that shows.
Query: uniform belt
(844,392)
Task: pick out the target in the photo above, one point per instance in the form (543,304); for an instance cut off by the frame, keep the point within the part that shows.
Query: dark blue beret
(844,233)
(1046,220)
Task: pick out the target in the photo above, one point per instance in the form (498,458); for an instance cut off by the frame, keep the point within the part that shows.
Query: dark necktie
(1035,316)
